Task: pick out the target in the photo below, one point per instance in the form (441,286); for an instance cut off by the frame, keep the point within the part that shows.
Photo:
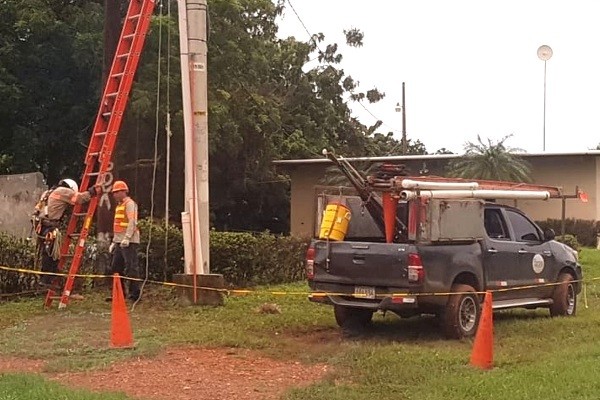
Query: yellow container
(334,225)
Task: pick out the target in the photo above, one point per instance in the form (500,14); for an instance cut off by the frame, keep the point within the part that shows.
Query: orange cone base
(483,348)
(121,335)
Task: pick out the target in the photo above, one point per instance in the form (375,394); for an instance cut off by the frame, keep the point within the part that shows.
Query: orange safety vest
(121,221)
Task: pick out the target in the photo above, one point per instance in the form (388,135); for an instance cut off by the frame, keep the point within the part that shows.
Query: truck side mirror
(549,234)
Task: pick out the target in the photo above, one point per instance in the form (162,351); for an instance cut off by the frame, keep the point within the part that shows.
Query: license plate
(365,292)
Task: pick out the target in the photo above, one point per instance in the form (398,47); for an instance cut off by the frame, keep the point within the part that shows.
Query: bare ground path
(187,373)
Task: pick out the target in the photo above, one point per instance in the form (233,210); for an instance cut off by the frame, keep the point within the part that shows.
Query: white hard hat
(70,183)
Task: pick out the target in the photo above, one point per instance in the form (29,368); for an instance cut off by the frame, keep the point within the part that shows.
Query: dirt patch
(13,364)
(192,373)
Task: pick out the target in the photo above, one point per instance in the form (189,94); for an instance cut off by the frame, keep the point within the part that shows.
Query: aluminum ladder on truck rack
(103,138)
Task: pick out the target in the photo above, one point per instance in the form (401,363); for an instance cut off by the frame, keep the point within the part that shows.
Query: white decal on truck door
(538,263)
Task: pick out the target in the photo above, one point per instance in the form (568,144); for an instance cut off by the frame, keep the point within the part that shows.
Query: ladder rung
(123,55)
(134,17)
(74,235)
(93,173)
(107,114)
(114,94)
(81,214)
(94,154)
(131,35)
(100,133)
(117,75)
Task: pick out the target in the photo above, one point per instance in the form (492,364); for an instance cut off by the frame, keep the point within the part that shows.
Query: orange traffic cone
(389,216)
(483,348)
(121,335)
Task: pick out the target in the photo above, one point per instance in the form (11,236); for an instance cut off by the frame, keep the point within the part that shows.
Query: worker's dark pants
(125,263)
(48,263)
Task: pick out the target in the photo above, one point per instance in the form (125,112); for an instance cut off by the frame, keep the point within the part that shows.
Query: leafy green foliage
(354,37)
(243,258)
(570,241)
(494,161)
(247,259)
(584,231)
(269,98)
(161,248)
(49,78)
(16,253)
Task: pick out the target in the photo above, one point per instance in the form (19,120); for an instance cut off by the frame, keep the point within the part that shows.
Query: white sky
(470,67)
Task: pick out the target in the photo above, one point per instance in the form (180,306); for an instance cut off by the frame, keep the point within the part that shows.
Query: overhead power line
(312,39)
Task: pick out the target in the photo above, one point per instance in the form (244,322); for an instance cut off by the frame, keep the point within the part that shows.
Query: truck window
(495,227)
(525,230)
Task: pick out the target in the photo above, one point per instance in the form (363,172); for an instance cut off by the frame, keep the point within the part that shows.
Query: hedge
(243,258)
(585,231)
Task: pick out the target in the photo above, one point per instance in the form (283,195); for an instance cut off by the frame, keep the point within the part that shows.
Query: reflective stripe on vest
(121,221)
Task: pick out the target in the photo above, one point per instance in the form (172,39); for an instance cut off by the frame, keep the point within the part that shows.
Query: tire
(349,317)
(461,316)
(564,297)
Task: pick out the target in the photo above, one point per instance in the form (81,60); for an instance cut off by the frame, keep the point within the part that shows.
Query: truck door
(536,260)
(500,258)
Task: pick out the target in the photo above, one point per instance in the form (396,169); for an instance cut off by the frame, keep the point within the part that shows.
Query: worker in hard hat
(49,211)
(126,239)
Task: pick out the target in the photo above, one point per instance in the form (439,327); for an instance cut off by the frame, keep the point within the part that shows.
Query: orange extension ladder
(103,139)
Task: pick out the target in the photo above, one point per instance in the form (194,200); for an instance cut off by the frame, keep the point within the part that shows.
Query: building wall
(566,171)
(18,196)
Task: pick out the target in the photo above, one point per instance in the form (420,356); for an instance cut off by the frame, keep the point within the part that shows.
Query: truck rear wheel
(350,317)
(461,315)
(564,297)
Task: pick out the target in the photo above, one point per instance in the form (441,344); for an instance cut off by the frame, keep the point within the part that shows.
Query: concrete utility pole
(193,38)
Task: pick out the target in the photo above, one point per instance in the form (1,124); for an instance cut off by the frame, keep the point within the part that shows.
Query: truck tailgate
(362,263)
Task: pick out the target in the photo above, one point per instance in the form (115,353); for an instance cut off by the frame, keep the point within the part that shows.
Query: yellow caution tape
(283,293)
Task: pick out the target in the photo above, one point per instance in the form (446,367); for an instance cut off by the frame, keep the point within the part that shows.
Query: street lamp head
(544,52)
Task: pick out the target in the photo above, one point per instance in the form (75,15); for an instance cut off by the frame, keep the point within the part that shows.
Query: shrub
(16,253)
(585,231)
(570,241)
(249,259)
(243,258)
(161,266)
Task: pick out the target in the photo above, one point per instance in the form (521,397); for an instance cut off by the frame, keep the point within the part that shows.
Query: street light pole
(544,53)
(404,142)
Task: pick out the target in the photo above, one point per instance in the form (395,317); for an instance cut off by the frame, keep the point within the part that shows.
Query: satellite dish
(544,53)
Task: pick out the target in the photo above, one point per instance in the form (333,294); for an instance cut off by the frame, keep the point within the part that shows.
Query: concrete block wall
(18,196)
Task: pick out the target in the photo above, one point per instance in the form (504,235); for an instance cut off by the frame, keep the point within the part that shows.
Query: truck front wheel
(564,297)
(461,315)
(350,317)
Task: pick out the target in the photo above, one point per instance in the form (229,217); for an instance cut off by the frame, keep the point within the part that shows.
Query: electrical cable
(156,131)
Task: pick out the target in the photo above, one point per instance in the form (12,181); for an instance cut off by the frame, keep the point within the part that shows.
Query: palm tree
(493,161)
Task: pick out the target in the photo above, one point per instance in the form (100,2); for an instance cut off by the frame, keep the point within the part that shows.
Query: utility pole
(193,37)
(404,141)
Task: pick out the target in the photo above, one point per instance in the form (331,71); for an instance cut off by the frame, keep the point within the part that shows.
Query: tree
(48,83)
(491,160)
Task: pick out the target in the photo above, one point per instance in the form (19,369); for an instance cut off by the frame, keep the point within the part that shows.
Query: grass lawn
(536,357)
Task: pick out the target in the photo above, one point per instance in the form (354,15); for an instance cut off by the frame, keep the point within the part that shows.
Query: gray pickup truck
(523,265)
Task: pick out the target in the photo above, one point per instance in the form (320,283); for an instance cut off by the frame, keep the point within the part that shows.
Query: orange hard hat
(119,186)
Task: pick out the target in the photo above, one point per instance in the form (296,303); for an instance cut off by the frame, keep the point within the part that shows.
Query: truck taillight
(310,263)
(416,273)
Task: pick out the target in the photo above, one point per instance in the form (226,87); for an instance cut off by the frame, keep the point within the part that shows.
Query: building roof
(324,160)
